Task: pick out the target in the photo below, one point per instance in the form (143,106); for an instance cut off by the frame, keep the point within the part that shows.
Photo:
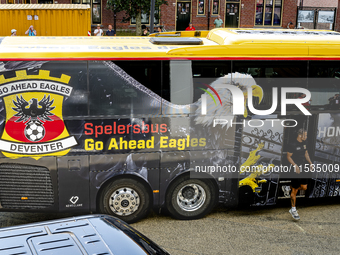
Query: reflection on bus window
(269,74)
(76,105)
(324,85)
(148,73)
(115,92)
(206,72)
(181,82)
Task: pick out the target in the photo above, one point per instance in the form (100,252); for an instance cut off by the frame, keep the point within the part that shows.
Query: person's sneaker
(286,191)
(294,214)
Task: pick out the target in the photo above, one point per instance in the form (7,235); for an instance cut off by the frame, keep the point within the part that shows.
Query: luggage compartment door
(73,179)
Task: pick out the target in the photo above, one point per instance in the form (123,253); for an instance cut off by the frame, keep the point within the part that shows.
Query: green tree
(134,9)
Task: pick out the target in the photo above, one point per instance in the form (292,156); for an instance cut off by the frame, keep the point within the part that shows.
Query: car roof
(93,234)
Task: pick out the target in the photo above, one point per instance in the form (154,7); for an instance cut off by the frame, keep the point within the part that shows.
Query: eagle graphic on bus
(240,81)
(33,120)
(34,116)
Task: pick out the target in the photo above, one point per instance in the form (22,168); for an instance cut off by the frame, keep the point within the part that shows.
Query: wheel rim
(191,197)
(124,201)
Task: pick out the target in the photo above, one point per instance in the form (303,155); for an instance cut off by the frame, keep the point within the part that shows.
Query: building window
(277,12)
(96,9)
(146,18)
(216,6)
(268,12)
(96,12)
(200,7)
(45,1)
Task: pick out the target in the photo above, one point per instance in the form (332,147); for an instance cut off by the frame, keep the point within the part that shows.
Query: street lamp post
(208,14)
(114,20)
(152,15)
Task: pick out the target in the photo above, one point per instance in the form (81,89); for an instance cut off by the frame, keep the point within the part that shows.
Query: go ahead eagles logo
(34,122)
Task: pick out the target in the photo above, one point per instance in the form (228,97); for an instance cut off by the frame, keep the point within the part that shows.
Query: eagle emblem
(34,113)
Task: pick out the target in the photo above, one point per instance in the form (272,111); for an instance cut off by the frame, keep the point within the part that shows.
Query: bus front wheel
(190,198)
(126,199)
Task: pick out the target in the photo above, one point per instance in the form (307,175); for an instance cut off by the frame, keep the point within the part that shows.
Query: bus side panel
(103,169)
(173,164)
(29,184)
(222,166)
(217,153)
(201,164)
(260,162)
(73,178)
(327,157)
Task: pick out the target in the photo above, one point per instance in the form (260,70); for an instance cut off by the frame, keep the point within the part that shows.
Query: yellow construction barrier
(47,19)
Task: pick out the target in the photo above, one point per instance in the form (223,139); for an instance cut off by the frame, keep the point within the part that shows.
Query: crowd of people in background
(109,32)
(30,31)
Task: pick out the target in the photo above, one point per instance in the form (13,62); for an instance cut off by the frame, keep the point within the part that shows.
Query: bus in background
(121,125)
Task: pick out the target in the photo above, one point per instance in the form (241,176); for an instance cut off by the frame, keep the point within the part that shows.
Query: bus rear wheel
(126,199)
(190,198)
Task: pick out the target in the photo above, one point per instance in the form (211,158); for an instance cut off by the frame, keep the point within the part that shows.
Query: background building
(202,13)
(234,13)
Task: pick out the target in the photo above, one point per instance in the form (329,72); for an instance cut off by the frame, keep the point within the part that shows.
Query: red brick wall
(107,15)
(319,3)
(222,14)
(168,15)
(247,15)
(289,12)
(337,19)
(200,22)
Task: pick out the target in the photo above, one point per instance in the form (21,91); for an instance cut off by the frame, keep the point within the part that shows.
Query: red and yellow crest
(34,123)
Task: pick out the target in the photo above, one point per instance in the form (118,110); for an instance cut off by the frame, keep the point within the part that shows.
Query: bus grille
(25,187)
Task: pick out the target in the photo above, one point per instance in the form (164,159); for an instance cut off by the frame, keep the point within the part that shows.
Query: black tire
(125,194)
(187,188)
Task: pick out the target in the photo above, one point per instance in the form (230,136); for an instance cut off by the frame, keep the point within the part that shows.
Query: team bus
(121,125)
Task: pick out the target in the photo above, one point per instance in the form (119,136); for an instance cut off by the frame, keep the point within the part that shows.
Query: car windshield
(136,236)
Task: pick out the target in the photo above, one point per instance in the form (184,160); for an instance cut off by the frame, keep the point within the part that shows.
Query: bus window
(206,72)
(77,103)
(114,91)
(324,85)
(177,87)
(181,82)
(269,74)
(207,69)
(148,73)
